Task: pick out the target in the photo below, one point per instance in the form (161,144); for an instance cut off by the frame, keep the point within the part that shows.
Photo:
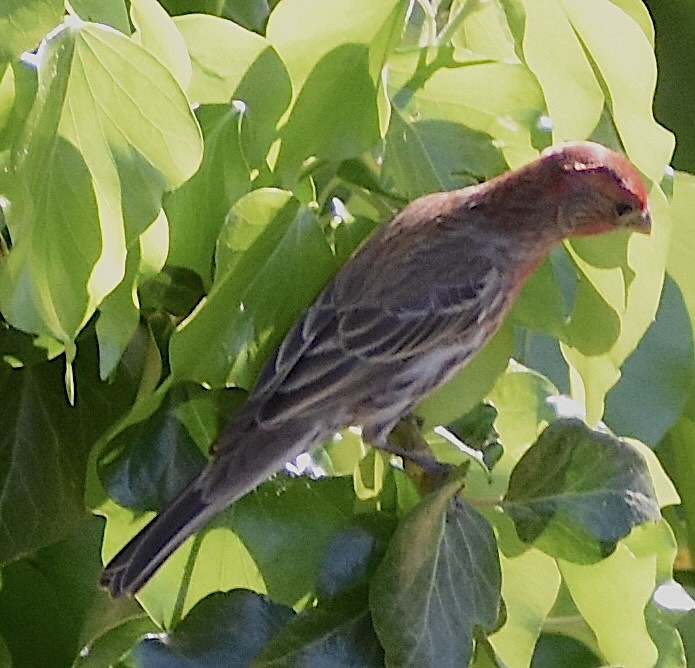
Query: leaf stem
(453,24)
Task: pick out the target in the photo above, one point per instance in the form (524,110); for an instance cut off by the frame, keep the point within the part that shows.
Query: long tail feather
(135,564)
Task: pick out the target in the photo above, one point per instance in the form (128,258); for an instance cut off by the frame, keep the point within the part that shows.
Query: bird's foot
(420,457)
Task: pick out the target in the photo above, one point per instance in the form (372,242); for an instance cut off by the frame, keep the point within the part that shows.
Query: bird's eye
(621,208)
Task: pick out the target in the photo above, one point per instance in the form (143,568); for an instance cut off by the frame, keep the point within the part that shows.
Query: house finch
(412,306)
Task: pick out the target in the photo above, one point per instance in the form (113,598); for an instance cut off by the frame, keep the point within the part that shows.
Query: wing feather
(330,350)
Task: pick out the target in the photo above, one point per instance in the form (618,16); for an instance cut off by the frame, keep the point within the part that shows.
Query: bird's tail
(234,471)
(137,562)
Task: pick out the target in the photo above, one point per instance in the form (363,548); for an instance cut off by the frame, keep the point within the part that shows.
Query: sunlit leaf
(485,30)
(556,56)
(628,68)
(158,34)
(530,583)
(626,582)
(95,124)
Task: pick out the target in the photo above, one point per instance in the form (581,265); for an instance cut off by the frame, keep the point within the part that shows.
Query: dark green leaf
(224,629)
(251,14)
(175,7)
(576,492)
(47,441)
(147,464)
(338,633)
(554,649)
(438,582)
(112,644)
(57,589)
(176,290)
(352,553)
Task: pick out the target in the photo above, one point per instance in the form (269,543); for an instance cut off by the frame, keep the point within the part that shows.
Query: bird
(411,307)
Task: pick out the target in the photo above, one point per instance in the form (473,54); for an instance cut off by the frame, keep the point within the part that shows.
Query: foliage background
(176,190)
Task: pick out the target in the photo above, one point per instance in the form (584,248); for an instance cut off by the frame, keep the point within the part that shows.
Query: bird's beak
(643,224)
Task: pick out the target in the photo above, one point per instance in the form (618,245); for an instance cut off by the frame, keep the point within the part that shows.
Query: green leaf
(501,100)
(17,91)
(424,156)
(197,210)
(224,629)
(23,24)
(113,13)
(213,7)
(338,633)
(262,285)
(670,602)
(626,583)
(439,580)
(56,588)
(352,553)
(7,95)
(148,463)
(484,31)
(223,54)
(339,88)
(251,14)
(337,78)
(577,492)
(542,288)
(681,254)
(95,125)
(230,63)
(119,313)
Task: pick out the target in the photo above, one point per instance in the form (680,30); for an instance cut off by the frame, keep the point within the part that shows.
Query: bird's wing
(334,343)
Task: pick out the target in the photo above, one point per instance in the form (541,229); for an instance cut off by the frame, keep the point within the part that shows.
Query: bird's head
(602,191)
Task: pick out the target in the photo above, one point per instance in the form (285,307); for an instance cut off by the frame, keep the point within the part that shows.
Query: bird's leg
(406,441)
(423,459)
